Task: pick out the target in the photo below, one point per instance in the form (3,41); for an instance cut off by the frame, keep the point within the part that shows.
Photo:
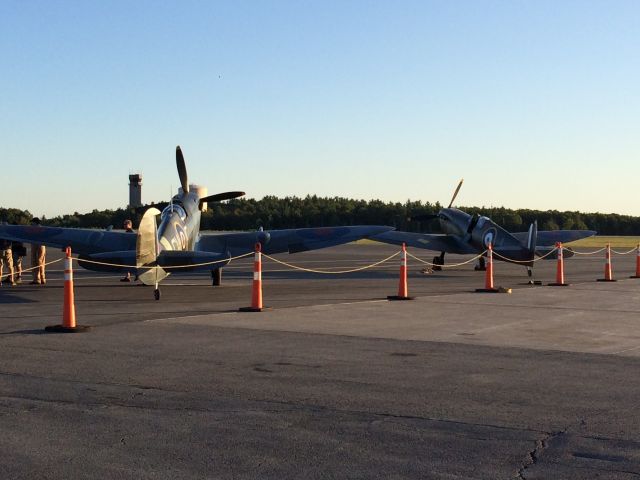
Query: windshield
(175,209)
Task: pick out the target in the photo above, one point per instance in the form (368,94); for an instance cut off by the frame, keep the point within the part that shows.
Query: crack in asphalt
(534,455)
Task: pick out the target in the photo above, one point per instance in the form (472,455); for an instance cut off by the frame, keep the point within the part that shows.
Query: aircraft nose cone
(264,237)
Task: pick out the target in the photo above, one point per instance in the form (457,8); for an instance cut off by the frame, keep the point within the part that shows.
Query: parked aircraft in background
(472,234)
(177,240)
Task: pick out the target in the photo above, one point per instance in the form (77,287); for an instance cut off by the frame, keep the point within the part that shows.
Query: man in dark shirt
(128,227)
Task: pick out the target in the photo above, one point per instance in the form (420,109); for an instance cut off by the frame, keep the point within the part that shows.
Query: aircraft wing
(81,240)
(429,241)
(291,240)
(547,238)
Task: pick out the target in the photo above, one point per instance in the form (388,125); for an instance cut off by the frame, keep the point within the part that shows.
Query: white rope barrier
(328,272)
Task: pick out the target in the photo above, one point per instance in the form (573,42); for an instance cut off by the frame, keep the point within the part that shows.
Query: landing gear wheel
(156,294)
(481,266)
(216,277)
(437,262)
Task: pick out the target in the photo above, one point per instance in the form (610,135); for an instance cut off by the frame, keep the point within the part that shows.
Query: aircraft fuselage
(180,223)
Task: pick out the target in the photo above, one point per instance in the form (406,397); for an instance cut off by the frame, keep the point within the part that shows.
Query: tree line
(272,212)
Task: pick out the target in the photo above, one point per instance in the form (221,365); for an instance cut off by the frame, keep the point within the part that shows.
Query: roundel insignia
(489,237)
(182,236)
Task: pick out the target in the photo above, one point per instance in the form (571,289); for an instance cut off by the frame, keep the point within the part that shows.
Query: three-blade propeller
(455,194)
(184,183)
(182,170)
(219,197)
(429,216)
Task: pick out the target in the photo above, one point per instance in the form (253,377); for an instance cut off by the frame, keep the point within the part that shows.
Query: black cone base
(398,297)
(253,309)
(63,329)
(488,290)
(606,280)
(559,284)
(634,276)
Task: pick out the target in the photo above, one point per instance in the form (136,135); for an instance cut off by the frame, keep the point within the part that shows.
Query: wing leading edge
(435,242)
(291,240)
(81,240)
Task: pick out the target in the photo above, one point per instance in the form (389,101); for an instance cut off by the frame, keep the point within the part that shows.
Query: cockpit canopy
(175,208)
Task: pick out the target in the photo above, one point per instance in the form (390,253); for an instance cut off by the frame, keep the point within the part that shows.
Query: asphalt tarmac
(333,382)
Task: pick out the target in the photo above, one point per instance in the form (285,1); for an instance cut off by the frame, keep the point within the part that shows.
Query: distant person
(128,227)
(38,259)
(19,252)
(6,257)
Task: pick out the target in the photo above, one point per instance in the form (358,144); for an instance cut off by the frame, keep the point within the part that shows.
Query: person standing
(38,259)
(6,257)
(128,227)
(19,251)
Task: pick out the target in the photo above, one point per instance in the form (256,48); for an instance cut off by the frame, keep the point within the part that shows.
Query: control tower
(135,190)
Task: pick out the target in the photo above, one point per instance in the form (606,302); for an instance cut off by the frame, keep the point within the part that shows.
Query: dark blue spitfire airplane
(153,250)
(472,234)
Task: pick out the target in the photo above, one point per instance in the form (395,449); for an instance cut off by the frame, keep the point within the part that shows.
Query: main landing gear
(216,277)
(156,292)
(438,262)
(481,266)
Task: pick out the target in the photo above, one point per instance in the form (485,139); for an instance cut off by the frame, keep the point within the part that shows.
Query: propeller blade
(420,218)
(182,170)
(218,197)
(455,194)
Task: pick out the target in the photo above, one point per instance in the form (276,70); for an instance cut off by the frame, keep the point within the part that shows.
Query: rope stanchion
(559,269)
(256,290)
(637,275)
(403,288)
(69,309)
(608,270)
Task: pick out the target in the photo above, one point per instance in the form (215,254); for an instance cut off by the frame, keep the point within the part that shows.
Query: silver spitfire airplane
(472,234)
(153,250)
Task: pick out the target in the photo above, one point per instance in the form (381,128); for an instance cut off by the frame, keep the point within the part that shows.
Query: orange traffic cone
(69,308)
(608,270)
(488,276)
(559,269)
(637,275)
(403,289)
(256,291)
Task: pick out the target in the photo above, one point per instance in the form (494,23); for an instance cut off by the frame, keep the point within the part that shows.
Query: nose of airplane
(264,237)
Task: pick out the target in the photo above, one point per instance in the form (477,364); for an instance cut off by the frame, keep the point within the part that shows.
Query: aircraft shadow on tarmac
(33,331)
(11,298)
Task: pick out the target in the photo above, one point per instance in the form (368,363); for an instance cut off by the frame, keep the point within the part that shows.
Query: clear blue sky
(536,104)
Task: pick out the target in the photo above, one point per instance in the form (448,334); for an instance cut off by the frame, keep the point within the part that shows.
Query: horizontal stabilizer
(548,238)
